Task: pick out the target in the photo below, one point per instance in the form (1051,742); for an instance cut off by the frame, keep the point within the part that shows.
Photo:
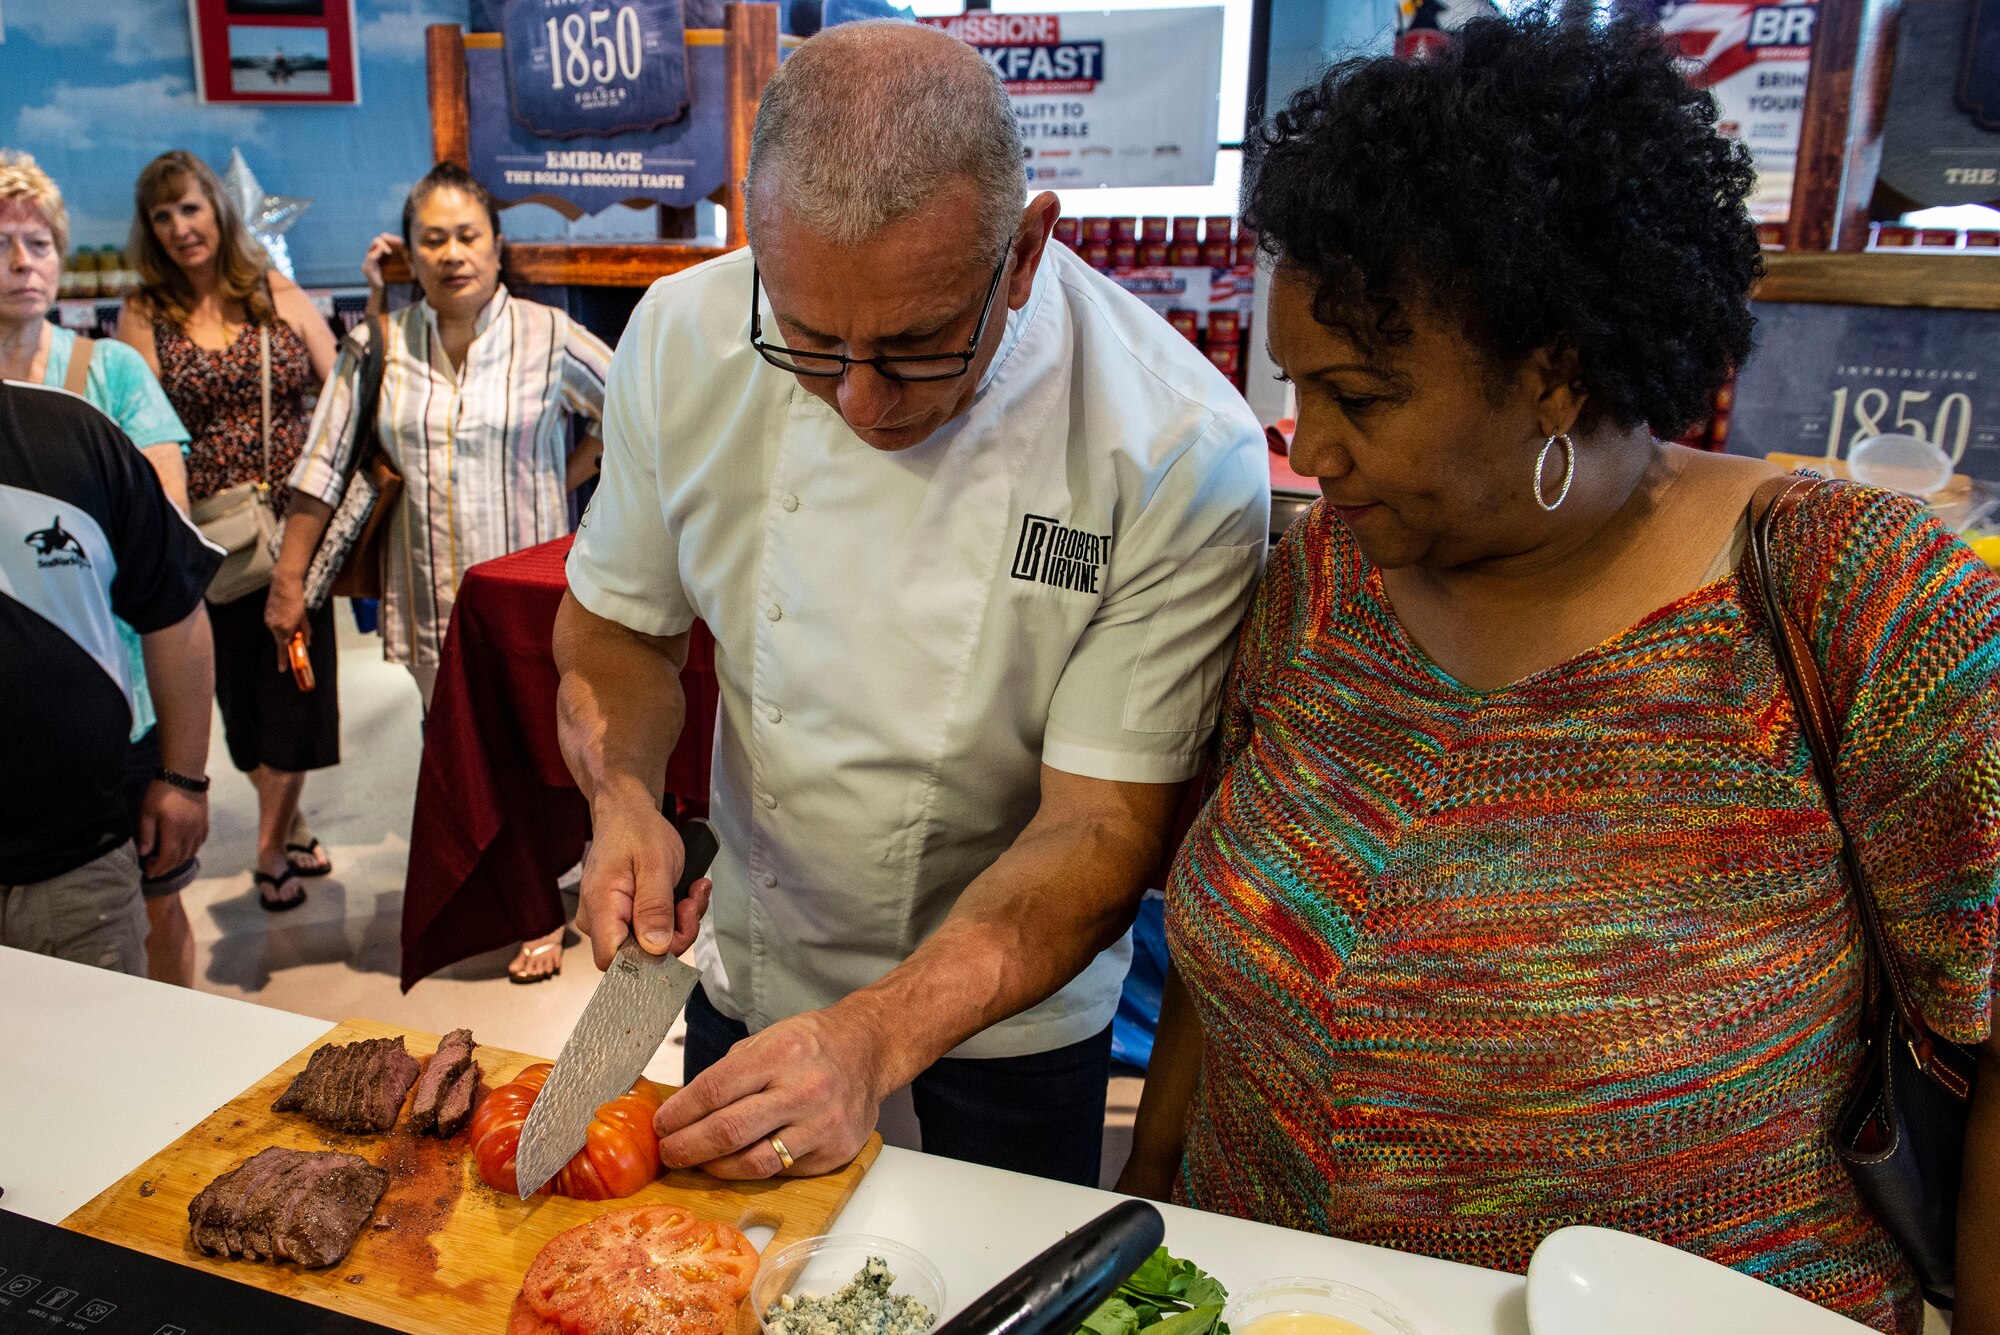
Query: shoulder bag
(350,556)
(1902,1131)
(77,379)
(240,519)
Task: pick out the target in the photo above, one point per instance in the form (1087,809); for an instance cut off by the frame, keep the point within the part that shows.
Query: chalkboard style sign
(1824,377)
(590,67)
(1941,132)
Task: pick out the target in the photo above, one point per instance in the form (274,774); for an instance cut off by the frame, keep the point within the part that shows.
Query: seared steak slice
(322,1220)
(215,1211)
(455,1109)
(308,1207)
(305,1081)
(454,1054)
(395,1071)
(355,1087)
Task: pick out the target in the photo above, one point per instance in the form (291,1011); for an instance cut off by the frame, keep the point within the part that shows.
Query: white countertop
(98,1071)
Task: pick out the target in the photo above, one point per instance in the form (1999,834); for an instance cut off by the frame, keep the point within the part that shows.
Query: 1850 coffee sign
(1824,378)
(597,67)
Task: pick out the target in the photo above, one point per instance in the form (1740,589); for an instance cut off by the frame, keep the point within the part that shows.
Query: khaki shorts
(93,915)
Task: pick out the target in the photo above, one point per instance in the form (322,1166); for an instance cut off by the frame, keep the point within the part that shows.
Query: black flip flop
(277,883)
(315,850)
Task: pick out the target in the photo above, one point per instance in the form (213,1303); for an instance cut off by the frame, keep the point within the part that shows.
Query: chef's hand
(628,882)
(812,1081)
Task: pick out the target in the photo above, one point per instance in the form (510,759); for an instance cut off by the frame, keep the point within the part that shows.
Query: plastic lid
(1909,464)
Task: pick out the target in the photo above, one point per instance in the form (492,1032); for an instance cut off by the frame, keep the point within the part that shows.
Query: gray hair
(865,122)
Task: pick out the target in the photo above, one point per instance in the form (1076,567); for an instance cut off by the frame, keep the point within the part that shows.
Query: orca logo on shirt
(56,546)
(1063,558)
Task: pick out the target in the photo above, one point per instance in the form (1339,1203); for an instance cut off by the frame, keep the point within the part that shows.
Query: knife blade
(619,1031)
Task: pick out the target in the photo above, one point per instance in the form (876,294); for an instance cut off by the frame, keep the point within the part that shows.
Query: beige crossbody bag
(240,519)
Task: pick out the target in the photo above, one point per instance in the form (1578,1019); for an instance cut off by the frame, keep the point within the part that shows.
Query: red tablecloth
(498,817)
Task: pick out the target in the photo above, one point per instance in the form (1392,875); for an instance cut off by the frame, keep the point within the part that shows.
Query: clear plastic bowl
(1909,464)
(1317,1297)
(828,1263)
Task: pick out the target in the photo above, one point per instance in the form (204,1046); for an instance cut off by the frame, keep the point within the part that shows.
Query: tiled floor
(336,957)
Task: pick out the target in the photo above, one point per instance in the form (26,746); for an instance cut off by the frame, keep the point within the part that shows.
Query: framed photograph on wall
(275,51)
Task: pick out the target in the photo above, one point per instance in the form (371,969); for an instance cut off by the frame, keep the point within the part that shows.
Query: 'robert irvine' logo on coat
(56,546)
(1064,558)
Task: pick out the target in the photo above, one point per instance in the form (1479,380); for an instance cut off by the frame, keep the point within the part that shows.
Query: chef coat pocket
(1190,640)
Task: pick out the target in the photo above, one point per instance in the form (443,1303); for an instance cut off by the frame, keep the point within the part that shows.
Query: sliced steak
(322,1220)
(453,1055)
(356,1087)
(294,1096)
(215,1210)
(304,1206)
(455,1109)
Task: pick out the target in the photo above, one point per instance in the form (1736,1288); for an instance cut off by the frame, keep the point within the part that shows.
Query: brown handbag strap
(1821,726)
(78,375)
(264,379)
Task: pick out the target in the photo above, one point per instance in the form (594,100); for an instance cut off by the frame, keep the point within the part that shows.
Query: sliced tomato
(523,1320)
(650,1270)
(620,1154)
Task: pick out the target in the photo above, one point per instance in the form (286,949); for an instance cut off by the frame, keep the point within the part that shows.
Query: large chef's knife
(620,1030)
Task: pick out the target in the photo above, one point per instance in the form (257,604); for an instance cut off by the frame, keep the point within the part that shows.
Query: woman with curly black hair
(1516,904)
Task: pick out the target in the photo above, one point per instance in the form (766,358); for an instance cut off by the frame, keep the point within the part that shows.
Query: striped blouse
(1473,966)
(482,449)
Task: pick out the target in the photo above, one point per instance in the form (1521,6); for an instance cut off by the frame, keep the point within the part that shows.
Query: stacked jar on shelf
(1199,274)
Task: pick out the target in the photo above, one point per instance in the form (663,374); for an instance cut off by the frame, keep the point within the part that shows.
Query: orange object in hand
(302,668)
(621,1155)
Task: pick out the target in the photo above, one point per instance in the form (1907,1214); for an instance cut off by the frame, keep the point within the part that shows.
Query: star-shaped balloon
(268,217)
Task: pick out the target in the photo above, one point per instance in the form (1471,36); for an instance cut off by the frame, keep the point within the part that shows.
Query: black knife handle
(700,846)
(1052,1294)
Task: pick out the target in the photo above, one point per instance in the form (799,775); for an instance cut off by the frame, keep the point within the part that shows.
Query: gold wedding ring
(784,1155)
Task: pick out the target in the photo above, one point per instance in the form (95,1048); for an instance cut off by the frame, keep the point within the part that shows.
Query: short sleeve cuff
(647,618)
(1115,766)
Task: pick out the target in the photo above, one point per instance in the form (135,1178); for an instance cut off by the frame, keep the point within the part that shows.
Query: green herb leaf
(1201,1321)
(1164,1296)
(1113,1316)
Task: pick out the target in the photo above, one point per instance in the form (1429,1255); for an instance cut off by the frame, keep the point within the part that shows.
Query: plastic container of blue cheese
(847,1284)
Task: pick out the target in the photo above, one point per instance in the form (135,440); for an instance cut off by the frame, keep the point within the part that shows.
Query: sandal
(303,843)
(319,865)
(277,884)
(531,952)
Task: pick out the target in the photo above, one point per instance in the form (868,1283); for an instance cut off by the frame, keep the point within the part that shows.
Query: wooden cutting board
(454,1250)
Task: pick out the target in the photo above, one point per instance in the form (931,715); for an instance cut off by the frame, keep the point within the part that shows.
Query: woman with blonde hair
(34,236)
(218,325)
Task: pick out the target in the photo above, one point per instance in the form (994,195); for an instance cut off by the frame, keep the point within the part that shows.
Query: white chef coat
(902,638)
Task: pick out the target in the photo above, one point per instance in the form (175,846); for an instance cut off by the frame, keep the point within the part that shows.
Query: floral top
(220,398)
(1473,966)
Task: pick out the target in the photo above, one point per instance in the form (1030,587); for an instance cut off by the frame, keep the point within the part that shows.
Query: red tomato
(621,1155)
(652,1269)
(523,1320)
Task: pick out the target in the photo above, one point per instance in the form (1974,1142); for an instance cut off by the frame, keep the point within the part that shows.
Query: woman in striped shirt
(476,387)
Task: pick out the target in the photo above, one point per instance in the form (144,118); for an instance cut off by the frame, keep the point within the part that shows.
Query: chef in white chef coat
(973,529)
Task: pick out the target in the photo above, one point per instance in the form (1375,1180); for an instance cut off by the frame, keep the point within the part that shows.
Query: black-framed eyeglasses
(919,367)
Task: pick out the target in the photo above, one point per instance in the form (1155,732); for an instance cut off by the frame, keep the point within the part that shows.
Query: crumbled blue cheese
(864,1307)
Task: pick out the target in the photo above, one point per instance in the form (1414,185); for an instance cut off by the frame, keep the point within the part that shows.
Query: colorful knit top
(1473,966)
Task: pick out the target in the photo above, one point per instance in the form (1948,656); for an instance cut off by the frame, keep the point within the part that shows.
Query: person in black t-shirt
(87,534)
